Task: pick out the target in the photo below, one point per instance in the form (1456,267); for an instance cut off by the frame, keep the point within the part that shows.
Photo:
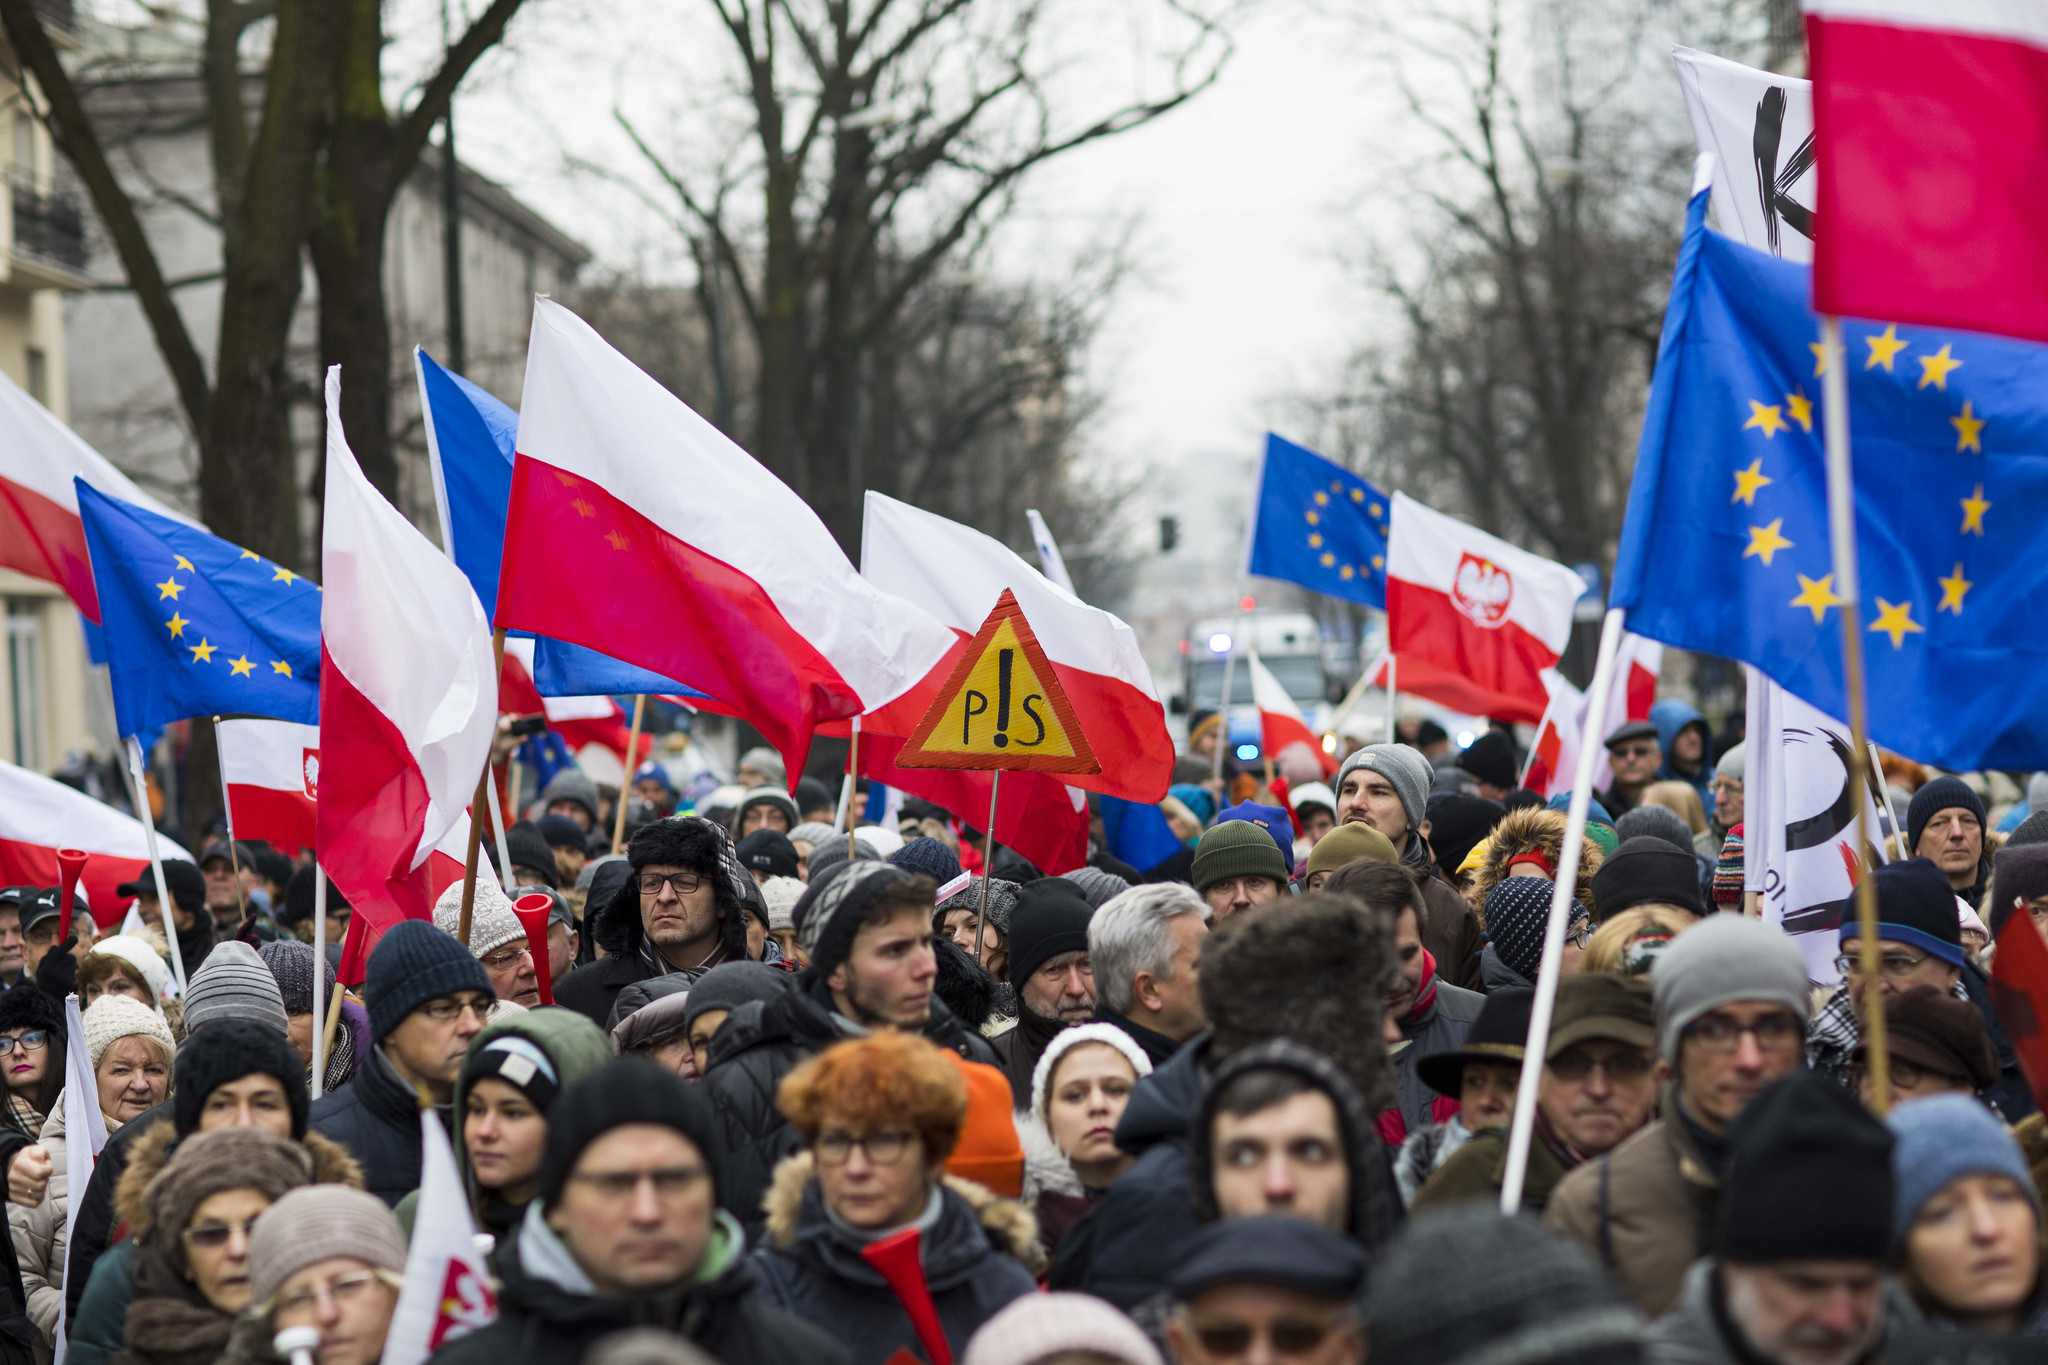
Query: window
(25,679)
(39,375)
(24,147)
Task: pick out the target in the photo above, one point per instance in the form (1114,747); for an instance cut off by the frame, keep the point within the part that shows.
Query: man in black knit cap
(1049,966)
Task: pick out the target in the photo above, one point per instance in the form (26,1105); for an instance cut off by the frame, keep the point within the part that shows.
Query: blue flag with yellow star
(195,626)
(1318,524)
(1725,545)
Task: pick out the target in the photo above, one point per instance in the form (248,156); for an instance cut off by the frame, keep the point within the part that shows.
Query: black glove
(57,973)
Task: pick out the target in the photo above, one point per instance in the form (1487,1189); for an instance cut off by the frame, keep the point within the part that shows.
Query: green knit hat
(1237,848)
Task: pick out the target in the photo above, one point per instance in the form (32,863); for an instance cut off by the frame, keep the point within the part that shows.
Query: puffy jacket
(1671,716)
(757,1045)
(1442,1028)
(549,1315)
(1475,1171)
(976,1257)
(1695,1331)
(99,1323)
(377,1118)
(1122,1250)
(17,1333)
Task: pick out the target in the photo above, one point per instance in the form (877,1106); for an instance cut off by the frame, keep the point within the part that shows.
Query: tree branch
(411,134)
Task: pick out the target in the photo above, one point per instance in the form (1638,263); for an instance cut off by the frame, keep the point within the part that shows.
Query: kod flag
(1759,126)
(1725,550)
(447,1292)
(1318,524)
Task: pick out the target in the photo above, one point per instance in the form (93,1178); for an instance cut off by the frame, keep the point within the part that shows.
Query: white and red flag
(271,771)
(39,815)
(447,1292)
(1470,605)
(1554,755)
(1636,665)
(408,693)
(638,529)
(40,533)
(1931,125)
(1280,720)
(580,721)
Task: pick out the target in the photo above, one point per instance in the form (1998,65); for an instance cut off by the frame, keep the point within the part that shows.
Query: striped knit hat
(234,983)
(1728,872)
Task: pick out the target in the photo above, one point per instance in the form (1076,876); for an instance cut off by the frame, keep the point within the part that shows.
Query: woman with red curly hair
(878,1117)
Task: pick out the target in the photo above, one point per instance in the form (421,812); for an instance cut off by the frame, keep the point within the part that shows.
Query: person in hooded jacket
(572,794)
(515,1071)
(865,928)
(1688,747)
(1078,1093)
(625,1231)
(878,1117)
(646,933)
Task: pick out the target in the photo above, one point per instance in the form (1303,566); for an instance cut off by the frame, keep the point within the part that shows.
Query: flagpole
(156,863)
(1842,541)
(846,789)
(988,866)
(1393,704)
(632,751)
(498,821)
(227,810)
(481,800)
(1523,1126)
(319,968)
(1223,707)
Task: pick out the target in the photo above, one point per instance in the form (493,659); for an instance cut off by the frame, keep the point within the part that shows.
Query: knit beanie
(1939,795)
(1271,819)
(1402,766)
(2018,874)
(1517,911)
(732,984)
(25,1005)
(766,762)
(629,1090)
(816,832)
(205,1164)
(315,1223)
(1648,869)
(1728,873)
(1059,1326)
(780,895)
(1731,763)
(766,796)
(137,953)
(1098,887)
(1721,959)
(1491,758)
(299,897)
(1348,844)
(832,852)
(227,1050)
(1944,1138)
(1916,905)
(1066,1040)
(1235,848)
(1200,804)
(492,924)
(884,841)
(559,831)
(1051,918)
(291,964)
(527,847)
(114,1017)
(519,1062)
(1654,822)
(1457,824)
(1545,1298)
(988,1151)
(233,983)
(1809,1177)
(832,909)
(928,857)
(1002,902)
(2032,830)
(413,963)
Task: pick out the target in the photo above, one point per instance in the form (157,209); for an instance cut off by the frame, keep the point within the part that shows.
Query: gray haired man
(1145,946)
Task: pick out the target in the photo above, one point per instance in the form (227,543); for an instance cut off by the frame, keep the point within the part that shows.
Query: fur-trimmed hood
(683,841)
(332,1165)
(1009,1225)
(1046,1168)
(1522,831)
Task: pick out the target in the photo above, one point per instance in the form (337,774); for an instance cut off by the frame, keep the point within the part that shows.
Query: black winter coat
(542,1323)
(1123,1248)
(377,1117)
(974,1264)
(17,1333)
(758,1044)
(593,988)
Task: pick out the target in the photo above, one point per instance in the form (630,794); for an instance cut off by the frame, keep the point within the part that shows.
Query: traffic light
(1169,534)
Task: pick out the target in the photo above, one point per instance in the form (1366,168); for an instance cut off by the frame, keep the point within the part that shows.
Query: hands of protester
(28,1175)
(57,973)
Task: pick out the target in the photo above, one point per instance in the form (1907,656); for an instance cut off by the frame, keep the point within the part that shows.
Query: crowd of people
(806,1093)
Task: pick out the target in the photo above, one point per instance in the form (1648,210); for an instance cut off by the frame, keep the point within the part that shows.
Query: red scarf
(1424,997)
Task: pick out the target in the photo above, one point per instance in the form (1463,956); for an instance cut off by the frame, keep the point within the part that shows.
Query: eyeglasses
(442,1008)
(670,1182)
(341,1291)
(1773,1033)
(1633,751)
(1289,1337)
(1620,1067)
(1897,966)
(682,883)
(214,1236)
(505,959)
(885,1148)
(34,1040)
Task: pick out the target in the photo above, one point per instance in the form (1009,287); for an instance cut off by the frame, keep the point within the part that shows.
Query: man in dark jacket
(1049,966)
(1386,786)
(648,933)
(865,929)
(1309,969)
(427,997)
(626,1231)
(187,885)
(1144,949)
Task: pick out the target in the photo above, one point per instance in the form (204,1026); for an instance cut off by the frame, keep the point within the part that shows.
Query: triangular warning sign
(1001,708)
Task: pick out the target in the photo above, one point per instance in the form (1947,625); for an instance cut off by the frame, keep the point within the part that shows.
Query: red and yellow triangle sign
(1001,708)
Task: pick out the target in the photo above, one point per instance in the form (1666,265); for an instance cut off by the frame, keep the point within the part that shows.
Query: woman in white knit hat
(329,1257)
(1083,1080)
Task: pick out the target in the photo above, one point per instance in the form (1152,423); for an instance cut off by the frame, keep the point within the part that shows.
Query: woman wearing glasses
(192,1226)
(878,1117)
(327,1257)
(31,1055)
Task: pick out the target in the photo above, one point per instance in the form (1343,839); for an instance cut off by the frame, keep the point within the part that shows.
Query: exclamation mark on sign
(1003,697)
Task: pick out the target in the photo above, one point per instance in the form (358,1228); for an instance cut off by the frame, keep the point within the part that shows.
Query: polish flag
(1930,118)
(1554,757)
(1637,663)
(39,815)
(1280,720)
(40,533)
(1473,606)
(447,1290)
(580,721)
(638,529)
(408,693)
(272,772)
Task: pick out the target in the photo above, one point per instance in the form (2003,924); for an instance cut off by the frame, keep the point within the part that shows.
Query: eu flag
(1319,525)
(195,626)
(470,439)
(1725,545)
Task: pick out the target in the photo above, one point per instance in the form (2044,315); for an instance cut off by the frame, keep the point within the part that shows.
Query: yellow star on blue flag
(1318,524)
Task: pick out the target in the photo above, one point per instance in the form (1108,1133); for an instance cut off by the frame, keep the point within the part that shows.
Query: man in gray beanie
(1726,812)
(1732,1005)
(234,984)
(1386,787)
